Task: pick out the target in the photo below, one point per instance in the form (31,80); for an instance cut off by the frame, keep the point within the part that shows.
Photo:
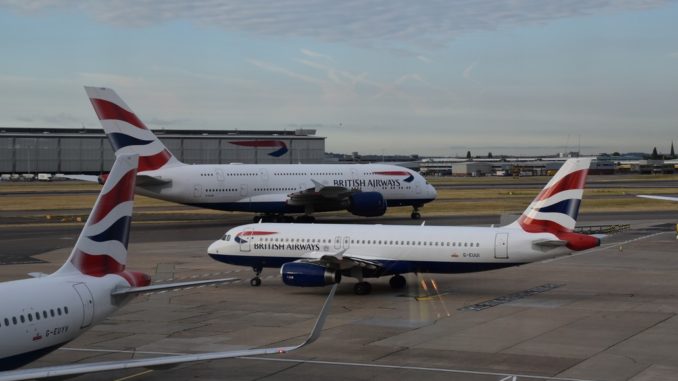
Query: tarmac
(605,314)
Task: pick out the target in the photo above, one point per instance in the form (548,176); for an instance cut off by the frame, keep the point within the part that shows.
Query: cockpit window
(226,237)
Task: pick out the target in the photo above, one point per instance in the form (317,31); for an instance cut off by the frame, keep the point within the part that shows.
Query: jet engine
(367,204)
(308,275)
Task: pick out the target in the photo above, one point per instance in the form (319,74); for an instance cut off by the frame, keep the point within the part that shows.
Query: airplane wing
(164,361)
(170,286)
(665,198)
(319,193)
(340,260)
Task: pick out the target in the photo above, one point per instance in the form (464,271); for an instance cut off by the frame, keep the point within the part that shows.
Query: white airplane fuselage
(40,314)
(264,188)
(398,249)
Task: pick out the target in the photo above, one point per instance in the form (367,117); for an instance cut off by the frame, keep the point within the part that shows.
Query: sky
(435,78)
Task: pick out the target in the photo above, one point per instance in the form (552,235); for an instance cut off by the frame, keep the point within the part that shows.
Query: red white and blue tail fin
(126,132)
(556,208)
(101,248)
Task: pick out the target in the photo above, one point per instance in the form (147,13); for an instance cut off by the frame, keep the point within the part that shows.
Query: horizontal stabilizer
(165,361)
(550,242)
(37,275)
(143,180)
(170,286)
(89,178)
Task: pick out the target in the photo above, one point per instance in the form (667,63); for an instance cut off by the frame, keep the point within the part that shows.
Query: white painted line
(418,368)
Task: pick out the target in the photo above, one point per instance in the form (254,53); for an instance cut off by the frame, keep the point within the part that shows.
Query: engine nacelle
(308,275)
(367,204)
(579,242)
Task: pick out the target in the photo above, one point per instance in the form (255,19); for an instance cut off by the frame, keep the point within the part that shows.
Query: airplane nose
(214,248)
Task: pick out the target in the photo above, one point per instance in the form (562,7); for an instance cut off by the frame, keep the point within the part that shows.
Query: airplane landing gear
(256,281)
(362,288)
(415,213)
(398,282)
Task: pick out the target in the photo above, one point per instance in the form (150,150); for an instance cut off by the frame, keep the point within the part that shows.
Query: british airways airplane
(41,314)
(272,190)
(317,255)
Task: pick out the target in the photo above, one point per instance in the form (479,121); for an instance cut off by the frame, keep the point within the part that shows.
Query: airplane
(271,190)
(41,314)
(320,254)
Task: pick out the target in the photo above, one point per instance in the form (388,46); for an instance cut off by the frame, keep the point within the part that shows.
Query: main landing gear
(397,282)
(362,288)
(415,213)
(256,281)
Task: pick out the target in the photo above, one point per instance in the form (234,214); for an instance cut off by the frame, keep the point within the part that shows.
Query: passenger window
(51,312)
(14,320)
(6,321)
(65,310)
(23,320)
(59,311)
(44,314)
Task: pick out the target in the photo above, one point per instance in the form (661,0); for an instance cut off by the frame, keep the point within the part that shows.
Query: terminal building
(87,151)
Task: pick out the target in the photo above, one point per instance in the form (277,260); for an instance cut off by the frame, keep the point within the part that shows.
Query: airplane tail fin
(101,248)
(126,132)
(556,208)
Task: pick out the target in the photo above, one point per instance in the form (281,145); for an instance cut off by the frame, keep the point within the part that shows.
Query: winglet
(320,322)
(318,186)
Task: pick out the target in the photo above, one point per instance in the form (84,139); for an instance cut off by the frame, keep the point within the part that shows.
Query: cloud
(313,54)
(392,24)
(469,71)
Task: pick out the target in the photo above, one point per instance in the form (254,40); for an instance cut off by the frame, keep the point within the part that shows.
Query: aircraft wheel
(398,282)
(255,282)
(415,216)
(362,288)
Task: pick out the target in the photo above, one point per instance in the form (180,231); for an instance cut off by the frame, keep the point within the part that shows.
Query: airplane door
(197,191)
(243,189)
(245,241)
(347,242)
(264,174)
(220,175)
(87,304)
(501,246)
(337,242)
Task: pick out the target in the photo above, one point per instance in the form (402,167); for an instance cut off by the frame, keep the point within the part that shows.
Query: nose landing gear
(415,213)
(256,281)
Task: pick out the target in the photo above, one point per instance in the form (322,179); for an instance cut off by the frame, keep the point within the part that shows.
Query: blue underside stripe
(389,267)
(282,207)
(16,361)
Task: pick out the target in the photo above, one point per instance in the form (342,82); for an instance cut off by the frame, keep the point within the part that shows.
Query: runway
(610,313)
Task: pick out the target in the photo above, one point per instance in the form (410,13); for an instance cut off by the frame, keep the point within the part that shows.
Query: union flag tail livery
(127,133)
(101,248)
(556,207)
